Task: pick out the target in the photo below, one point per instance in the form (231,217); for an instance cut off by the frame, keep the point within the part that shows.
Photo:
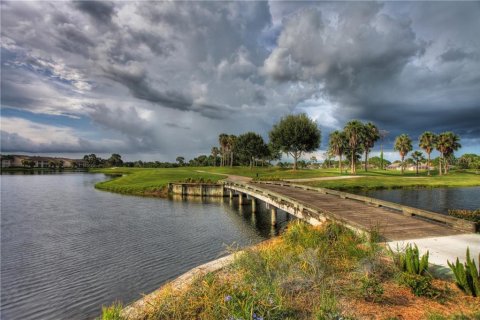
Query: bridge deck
(392,225)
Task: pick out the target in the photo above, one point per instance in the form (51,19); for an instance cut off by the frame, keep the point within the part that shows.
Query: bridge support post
(254,205)
(240,198)
(273,214)
(231,194)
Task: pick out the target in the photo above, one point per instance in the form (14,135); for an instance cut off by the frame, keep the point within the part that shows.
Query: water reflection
(437,199)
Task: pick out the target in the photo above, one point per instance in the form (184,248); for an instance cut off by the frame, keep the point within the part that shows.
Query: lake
(67,248)
(436,200)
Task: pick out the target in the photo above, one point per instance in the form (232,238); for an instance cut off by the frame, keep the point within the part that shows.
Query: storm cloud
(165,78)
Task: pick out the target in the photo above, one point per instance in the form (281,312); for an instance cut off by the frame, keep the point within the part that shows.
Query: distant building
(17,161)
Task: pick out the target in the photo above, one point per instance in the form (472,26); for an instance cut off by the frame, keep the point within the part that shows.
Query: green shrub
(420,285)
(112,312)
(467,275)
(410,261)
(471,215)
(371,288)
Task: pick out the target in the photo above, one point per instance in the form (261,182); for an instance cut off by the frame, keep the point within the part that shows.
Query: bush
(371,288)
(112,312)
(470,215)
(420,285)
(410,261)
(466,275)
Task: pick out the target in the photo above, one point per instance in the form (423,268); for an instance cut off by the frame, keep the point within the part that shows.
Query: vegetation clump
(325,272)
(470,215)
(467,275)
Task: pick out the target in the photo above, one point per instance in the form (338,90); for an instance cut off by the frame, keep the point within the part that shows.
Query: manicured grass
(308,273)
(274,173)
(145,181)
(390,180)
(153,180)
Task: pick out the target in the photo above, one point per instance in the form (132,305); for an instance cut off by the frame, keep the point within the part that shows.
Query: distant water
(436,200)
(67,248)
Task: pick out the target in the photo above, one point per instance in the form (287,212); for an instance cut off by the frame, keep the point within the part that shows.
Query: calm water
(437,200)
(67,248)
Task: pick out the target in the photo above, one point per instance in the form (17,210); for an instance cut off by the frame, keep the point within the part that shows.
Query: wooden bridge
(362,214)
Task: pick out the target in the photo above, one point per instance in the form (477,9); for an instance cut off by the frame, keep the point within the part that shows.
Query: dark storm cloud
(455,54)
(144,72)
(101,11)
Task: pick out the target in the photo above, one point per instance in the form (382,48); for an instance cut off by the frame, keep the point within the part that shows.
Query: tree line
(358,138)
(293,135)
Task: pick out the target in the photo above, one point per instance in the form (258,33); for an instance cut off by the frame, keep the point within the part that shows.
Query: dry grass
(309,273)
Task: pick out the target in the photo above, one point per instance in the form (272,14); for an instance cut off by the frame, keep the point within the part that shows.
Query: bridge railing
(455,223)
(301,207)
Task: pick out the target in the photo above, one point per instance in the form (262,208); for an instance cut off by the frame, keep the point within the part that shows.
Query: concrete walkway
(446,248)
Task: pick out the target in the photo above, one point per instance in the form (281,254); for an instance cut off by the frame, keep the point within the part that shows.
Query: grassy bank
(143,181)
(392,180)
(310,273)
(148,181)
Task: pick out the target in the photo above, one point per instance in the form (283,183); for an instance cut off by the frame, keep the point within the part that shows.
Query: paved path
(446,248)
(392,224)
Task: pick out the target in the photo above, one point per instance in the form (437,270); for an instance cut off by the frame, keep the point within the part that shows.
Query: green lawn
(148,180)
(152,180)
(392,180)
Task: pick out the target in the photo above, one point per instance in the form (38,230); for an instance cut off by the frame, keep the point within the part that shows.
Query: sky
(157,80)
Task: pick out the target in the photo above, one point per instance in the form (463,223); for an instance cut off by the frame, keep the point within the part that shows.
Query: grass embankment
(393,180)
(309,273)
(144,181)
(148,181)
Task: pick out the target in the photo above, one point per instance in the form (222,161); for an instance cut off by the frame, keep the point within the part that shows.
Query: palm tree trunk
(417,169)
(403,164)
(446,166)
(231,159)
(354,168)
(440,165)
(366,159)
(428,164)
(340,163)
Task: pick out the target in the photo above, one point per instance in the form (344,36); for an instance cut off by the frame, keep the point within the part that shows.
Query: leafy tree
(447,143)
(295,135)
(417,157)
(92,160)
(403,144)
(337,144)
(378,162)
(115,160)
(371,135)
(180,160)
(52,164)
(427,142)
(354,133)
(250,146)
(25,162)
(467,160)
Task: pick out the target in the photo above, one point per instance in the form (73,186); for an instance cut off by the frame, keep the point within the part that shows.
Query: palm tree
(215,153)
(448,142)
(372,135)
(354,132)
(337,143)
(417,157)
(427,142)
(223,141)
(403,144)
(231,146)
